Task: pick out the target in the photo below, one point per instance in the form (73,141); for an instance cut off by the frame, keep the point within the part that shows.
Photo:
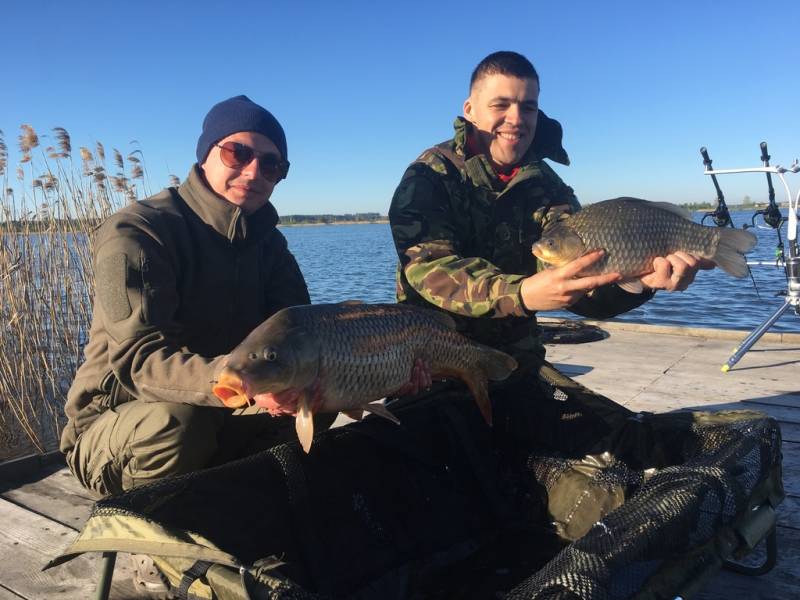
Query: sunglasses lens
(270,167)
(236,156)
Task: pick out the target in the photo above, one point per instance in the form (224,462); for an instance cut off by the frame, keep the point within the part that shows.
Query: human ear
(468,110)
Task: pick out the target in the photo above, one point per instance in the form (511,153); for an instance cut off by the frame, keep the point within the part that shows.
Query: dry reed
(46,278)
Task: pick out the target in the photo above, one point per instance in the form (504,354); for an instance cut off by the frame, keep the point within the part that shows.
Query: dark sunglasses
(236,156)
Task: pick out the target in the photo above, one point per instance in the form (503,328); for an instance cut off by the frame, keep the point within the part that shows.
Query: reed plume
(118,160)
(64,142)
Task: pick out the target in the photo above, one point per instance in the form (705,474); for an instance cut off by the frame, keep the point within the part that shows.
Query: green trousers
(139,442)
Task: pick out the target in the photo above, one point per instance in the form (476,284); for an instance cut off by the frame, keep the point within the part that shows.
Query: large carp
(344,357)
(633,232)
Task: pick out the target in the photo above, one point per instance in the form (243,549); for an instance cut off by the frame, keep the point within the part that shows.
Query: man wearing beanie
(181,278)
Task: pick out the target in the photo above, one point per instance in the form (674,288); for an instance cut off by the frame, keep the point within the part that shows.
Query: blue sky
(362,88)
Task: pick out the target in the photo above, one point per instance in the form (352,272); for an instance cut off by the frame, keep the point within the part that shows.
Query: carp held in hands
(633,232)
(345,357)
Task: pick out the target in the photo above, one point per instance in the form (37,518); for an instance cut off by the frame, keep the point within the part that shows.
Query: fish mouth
(230,389)
(540,251)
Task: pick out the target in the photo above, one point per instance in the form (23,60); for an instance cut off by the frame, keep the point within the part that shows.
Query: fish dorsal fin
(304,423)
(674,208)
(376,408)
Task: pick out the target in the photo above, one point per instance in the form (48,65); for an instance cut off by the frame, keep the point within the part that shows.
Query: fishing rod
(791,264)
(720,215)
(771,214)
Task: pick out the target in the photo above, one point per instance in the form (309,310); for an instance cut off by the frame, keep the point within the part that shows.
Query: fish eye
(270,354)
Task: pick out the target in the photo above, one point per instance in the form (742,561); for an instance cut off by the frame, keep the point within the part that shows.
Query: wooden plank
(782,583)
(790,432)
(788,512)
(57,496)
(28,541)
(791,468)
(8,594)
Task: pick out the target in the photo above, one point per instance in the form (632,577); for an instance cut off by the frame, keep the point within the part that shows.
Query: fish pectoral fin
(304,423)
(355,414)
(634,286)
(376,408)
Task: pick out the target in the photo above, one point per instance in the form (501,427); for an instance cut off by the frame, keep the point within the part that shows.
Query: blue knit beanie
(238,114)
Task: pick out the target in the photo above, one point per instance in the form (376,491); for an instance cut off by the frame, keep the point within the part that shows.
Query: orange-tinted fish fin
(479,386)
(376,408)
(304,423)
(634,286)
(355,414)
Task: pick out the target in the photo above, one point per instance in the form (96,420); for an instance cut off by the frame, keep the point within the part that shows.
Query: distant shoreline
(375,222)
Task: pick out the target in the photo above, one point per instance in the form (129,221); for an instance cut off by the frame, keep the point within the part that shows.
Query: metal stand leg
(755,335)
(106,575)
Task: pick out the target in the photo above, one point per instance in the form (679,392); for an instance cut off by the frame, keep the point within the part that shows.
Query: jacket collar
(547,143)
(225,218)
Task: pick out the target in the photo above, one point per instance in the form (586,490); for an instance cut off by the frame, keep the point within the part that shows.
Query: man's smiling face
(503,111)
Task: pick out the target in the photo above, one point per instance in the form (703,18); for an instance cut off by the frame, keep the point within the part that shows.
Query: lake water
(342,262)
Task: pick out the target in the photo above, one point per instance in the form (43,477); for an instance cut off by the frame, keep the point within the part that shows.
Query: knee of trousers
(171,439)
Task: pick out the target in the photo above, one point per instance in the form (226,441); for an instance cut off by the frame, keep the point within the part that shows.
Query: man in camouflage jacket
(467,212)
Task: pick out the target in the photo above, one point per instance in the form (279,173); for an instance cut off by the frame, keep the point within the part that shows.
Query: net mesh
(441,507)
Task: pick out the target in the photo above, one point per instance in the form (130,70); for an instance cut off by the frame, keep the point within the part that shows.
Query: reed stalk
(46,279)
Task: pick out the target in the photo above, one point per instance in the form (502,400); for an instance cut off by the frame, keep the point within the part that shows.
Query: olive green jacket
(464,238)
(180,279)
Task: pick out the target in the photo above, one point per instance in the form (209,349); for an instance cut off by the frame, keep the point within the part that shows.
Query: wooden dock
(642,367)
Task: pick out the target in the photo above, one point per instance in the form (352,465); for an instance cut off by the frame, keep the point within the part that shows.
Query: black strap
(197,570)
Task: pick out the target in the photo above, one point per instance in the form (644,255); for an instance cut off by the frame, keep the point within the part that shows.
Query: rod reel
(720,215)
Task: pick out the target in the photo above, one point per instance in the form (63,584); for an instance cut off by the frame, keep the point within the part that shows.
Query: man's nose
(251,168)
(513,114)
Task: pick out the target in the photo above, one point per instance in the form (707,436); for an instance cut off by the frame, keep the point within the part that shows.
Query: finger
(690,259)
(591,282)
(574,267)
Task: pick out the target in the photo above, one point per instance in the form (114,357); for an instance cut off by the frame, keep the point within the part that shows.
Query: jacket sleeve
(287,286)
(427,233)
(136,300)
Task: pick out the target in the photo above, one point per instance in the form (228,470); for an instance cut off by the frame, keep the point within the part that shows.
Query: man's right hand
(554,289)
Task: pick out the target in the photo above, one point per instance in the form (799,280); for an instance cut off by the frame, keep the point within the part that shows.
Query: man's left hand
(675,272)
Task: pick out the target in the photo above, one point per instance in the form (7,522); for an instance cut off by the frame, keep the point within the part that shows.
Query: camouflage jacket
(180,279)
(464,238)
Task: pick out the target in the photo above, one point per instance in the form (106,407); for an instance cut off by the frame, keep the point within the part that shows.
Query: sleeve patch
(111,282)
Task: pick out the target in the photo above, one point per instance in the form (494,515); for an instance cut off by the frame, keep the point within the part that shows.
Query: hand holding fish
(560,287)
(675,272)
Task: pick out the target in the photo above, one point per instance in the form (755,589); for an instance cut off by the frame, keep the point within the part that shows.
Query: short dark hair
(504,62)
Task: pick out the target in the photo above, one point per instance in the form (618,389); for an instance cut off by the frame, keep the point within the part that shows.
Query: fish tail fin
(497,365)
(733,244)
(304,423)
